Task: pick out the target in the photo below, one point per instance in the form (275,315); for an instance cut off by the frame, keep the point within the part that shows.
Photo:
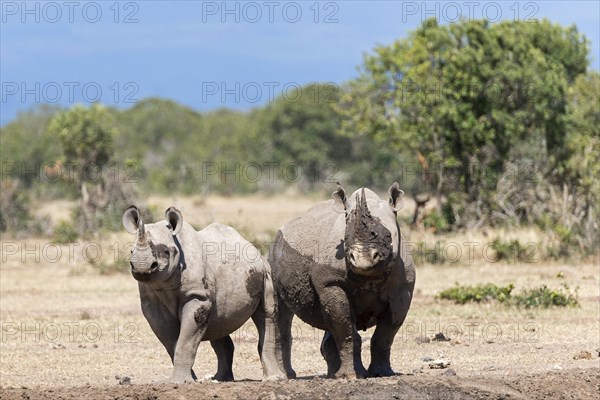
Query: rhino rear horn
(131,219)
(396,197)
(175,219)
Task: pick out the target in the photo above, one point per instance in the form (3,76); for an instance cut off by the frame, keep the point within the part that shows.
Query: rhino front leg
(224,349)
(383,337)
(194,320)
(165,326)
(339,318)
(381,344)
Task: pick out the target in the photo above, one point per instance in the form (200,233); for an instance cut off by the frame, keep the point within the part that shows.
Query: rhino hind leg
(330,354)
(283,326)
(267,349)
(224,349)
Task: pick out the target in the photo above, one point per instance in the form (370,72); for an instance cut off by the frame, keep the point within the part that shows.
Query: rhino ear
(339,199)
(131,218)
(396,197)
(175,219)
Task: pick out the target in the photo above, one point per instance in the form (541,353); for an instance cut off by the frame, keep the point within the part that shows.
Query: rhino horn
(141,233)
(363,215)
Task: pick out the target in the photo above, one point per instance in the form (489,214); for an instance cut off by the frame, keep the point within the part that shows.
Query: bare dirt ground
(69,332)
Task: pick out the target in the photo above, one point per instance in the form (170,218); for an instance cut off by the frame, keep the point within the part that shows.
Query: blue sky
(214,54)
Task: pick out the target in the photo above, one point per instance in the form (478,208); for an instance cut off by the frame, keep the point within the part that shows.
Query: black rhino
(343,267)
(197,286)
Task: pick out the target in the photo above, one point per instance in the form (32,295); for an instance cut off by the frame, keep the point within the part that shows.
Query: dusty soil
(69,332)
(574,384)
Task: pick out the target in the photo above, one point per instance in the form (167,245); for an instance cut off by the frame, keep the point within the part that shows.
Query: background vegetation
(498,123)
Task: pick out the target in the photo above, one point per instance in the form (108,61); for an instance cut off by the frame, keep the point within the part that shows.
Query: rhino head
(153,258)
(371,238)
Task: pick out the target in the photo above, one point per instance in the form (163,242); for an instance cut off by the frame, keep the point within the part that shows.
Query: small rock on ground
(583,355)
(440,337)
(125,380)
(439,364)
(449,372)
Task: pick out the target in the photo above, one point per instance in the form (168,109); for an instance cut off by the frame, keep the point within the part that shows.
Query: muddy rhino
(197,286)
(343,267)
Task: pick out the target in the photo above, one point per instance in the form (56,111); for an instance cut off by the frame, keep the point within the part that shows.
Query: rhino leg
(164,325)
(339,319)
(283,335)
(383,337)
(381,344)
(330,354)
(263,318)
(224,350)
(194,321)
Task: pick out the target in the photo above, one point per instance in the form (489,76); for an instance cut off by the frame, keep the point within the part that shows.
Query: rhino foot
(350,374)
(380,371)
(223,377)
(273,378)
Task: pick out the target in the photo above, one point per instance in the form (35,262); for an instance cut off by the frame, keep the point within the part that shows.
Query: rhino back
(237,271)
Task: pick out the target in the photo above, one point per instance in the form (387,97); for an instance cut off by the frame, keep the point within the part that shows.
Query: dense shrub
(14,206)
(478,293)
(536,297)
(65,233)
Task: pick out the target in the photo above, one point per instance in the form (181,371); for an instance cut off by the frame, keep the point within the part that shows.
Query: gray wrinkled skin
(344,269)
(197,286)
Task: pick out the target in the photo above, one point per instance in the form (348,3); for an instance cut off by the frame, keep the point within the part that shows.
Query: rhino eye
(166,252)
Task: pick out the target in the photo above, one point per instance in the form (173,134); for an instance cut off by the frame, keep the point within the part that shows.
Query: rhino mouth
(143,273)
(371,271)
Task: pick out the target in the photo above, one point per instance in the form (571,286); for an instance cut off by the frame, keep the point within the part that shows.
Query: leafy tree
(583,135)
(87,136)
(464,94)
(26,146)
(302,128)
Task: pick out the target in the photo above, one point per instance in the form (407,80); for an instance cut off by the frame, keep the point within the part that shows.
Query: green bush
(483,292)
(14,206)
(64,233)
(537,297)
(545,297)
(437,220)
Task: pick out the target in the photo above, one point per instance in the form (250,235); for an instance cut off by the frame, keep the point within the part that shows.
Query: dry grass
(103,333)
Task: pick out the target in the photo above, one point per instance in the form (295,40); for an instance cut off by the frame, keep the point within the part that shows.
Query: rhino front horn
(141,232)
